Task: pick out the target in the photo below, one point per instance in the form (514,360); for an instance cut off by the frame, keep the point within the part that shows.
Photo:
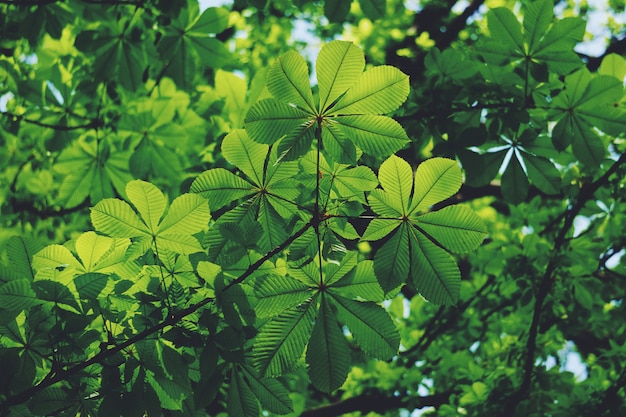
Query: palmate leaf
(188,214)
(514,181)
(349,112)
(415,237)
(281,341)
(20,251)
(328,353)
(91,169)
(542,39)
(149,202)
(585,103)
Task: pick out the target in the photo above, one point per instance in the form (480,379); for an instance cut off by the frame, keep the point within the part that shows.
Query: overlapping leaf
(268,193)
(541,39)
(302,305)
(588,102)
(348,113)
(188,214)
(418,246)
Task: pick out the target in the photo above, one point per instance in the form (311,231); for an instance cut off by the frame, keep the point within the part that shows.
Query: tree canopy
(312,208)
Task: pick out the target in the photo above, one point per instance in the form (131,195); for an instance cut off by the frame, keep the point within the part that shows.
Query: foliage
(195,222)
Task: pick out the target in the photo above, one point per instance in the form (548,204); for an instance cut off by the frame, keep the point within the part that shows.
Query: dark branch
(53,378)
(171,320)
(586,193)
(457,25)
(93,124)
(28,3)
(376,402)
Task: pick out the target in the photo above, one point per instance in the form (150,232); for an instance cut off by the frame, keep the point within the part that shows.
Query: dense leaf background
(312,208)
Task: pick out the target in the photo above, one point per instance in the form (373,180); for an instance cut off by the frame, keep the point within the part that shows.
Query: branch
(457,25)
(586,193)
(253,267)
(376,402)
(27,3)
(171,320)
(53,378)
(93,124)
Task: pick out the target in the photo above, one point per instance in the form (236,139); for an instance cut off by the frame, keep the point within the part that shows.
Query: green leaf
(270,392)
(241,399)
(379,90)
(18,295)
(149,202)
(537,19)
(212,20)
(375,135)
(373,9)
(514,181)
(384,205)
(457,228)
(614,66)
(504,26)
(339,64)
(355,181)
(212,52)
(328,354)
(20,252)
(433,272)
(281,341)
(91,247)
(269,120)
(117,219)
(360,283)
(288,81)
(89,286)
(338,147)
(435,180)
(55,260)
(233,89)
(480,169)
(392,261)
(277,293)
(379,228)
(334,271)
(57,293)
(543,174)
(396,177)
(220,187)
(245,154)
(371,326)
(336,10)
(188,214)
(170,394)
